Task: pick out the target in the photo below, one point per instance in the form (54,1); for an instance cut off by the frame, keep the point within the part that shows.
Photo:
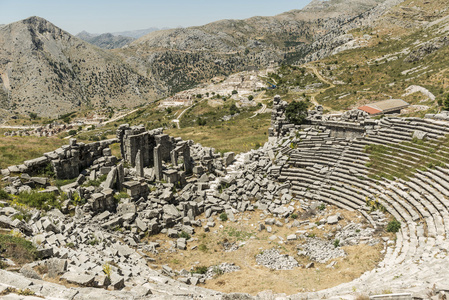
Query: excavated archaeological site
(303,217)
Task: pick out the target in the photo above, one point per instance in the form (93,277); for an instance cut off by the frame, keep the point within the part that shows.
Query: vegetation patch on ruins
(16,248)
(402,160)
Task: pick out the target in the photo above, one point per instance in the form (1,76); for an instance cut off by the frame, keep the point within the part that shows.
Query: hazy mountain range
(114,40)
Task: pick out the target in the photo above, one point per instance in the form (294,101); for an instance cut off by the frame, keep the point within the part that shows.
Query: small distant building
(390,106)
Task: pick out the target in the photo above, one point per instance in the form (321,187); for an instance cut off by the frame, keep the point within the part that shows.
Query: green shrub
(294,216)
(233,109)
(199,270)
(72,132)
(94,241)
(119,196)
(296,112)
(77,200)
(62,182)
(97,181)
(322,207)
(224,216)
(203,248)
(336,243)
(4,195)
(47,171)
(393,226)
(184,235)
(201,121)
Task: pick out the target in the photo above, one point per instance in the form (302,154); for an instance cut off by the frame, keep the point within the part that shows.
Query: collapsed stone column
(187,160)
(139,164)
(120,176)
(174,157)
(157,162)
(163,140)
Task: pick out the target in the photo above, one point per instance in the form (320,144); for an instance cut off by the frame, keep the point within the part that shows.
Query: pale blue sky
(99,16)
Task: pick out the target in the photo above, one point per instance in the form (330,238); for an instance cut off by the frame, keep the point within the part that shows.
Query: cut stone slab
(28,271)
(5,222)
(292,237)
(172,233)
(124,250)
(44,252)
(171,210)
(56,266)
(78,279)
(118,282)
(141,225)
(332,220)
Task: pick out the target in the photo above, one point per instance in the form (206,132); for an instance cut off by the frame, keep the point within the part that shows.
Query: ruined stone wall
(133,139)
(277,117)
(166,145)
(69,160)
(350,125)
(343,130)
(66,162)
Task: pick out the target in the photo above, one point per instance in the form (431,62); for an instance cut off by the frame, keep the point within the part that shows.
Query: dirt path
(121,117)
(260,111)
(18,127)
(177,120)
(320,77)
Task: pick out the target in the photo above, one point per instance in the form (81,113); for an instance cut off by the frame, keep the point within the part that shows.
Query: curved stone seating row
(421,202)
(416,212)
(393,135)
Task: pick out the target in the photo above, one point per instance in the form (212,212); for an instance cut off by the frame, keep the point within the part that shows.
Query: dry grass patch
(209,250)
(238,135)
(15,150)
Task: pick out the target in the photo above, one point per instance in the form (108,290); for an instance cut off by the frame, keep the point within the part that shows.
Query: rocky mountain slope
(105,40)
(182,57)
(46,70)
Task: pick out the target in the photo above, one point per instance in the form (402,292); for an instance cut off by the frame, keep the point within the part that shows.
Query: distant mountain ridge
(114,40)
(105,40)
(182,57)
(137,33)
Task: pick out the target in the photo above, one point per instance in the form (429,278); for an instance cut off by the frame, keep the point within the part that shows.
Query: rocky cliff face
(44,69)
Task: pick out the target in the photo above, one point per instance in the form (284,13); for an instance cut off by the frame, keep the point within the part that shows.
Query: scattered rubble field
(239,243)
